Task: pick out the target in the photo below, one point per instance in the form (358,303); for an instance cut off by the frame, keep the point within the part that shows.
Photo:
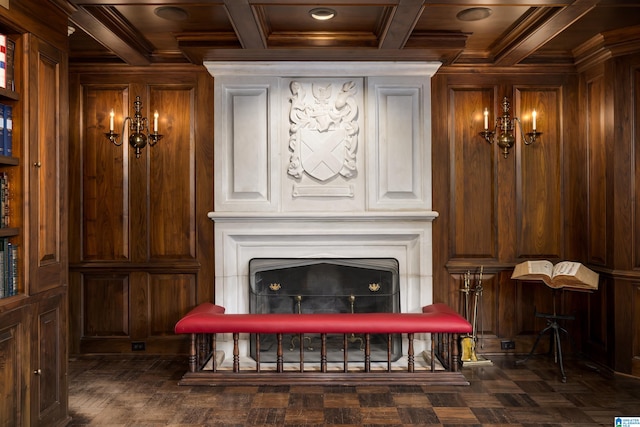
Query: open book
(565,274)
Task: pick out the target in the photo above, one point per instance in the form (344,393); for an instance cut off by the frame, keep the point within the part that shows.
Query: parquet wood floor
(143,391)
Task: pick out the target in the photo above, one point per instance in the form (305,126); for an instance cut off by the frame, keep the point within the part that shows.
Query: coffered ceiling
(457,32)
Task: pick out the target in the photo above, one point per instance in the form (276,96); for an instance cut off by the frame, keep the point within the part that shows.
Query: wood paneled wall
(141,242)
(497,212)
(570,195)
(142,250)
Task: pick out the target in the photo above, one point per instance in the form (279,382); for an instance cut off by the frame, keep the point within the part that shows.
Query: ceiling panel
(482,33)
(514,32)
(599,20)
(161,31)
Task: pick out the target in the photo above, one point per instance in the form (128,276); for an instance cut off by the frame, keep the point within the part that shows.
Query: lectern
(569,275)
(554,330)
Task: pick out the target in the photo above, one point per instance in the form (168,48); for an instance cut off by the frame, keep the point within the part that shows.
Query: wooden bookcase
(10,165)
(33,319)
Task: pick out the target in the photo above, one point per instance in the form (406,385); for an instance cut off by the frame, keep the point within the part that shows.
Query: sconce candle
(111,114)
(155,122)
(486,118)
(533,115)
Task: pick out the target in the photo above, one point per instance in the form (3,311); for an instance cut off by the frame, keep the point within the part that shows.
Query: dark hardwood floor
(143,391)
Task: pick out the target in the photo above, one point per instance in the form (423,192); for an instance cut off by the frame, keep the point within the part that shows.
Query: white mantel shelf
(323,68)
(325,216)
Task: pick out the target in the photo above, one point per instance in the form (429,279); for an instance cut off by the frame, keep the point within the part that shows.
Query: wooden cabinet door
(49,391)
(46,165)
(13,348)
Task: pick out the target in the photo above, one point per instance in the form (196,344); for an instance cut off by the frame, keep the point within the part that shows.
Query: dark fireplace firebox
(324,285)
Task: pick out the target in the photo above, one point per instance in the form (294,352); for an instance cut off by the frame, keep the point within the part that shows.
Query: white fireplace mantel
(322,160)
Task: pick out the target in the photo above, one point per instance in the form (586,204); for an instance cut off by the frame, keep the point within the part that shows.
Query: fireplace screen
(336,285)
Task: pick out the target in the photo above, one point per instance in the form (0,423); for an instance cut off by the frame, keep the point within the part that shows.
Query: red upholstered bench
(207,320)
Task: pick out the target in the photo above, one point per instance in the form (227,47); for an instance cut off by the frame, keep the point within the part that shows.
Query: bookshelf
(11,224)
(33,315)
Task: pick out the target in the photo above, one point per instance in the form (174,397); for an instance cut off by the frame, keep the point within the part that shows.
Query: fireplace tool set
(474,313)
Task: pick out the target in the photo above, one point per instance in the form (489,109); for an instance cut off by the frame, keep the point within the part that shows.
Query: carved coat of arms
(323,131)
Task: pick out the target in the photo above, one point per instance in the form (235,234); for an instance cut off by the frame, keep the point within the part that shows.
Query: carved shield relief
(323,131)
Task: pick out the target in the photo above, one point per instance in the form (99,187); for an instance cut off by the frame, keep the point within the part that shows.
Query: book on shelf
(4,287)
(8,268)
(13,268)
(7,137)
(2,130)
(3,61)
(9,66)
(565,274)
(4,200)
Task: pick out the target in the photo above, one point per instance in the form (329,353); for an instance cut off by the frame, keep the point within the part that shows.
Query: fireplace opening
(324,285)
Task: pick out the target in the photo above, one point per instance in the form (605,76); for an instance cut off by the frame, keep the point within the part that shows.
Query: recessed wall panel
(472,176)
(636,180)
(105,306)
(170,297)
(250,143)
(105,210)
(596,143)
(172,224)
(401,129)
(398,144)
(539,174)
(244,162)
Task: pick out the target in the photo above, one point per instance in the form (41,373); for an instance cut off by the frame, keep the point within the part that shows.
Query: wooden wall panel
(596,321)
(104,197)
(105,310)
(172,220)
(13,358)
(598,195)
(636,169)
(48,224)
(635,229)
(49,390)
(170,296)
(473,213)
(635,331)
(146,256)
(498,211)
(539,165)
(46,165)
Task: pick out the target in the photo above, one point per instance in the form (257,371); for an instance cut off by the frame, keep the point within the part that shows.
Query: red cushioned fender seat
(436,318)
(208,320)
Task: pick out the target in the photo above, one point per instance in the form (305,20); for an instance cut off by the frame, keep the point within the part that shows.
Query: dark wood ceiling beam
(551,27)
(245,25)
(402,23)
(128,50)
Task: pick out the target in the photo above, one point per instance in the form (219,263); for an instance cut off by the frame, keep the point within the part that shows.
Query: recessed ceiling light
(322,13)
(171,13)
(474,14)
